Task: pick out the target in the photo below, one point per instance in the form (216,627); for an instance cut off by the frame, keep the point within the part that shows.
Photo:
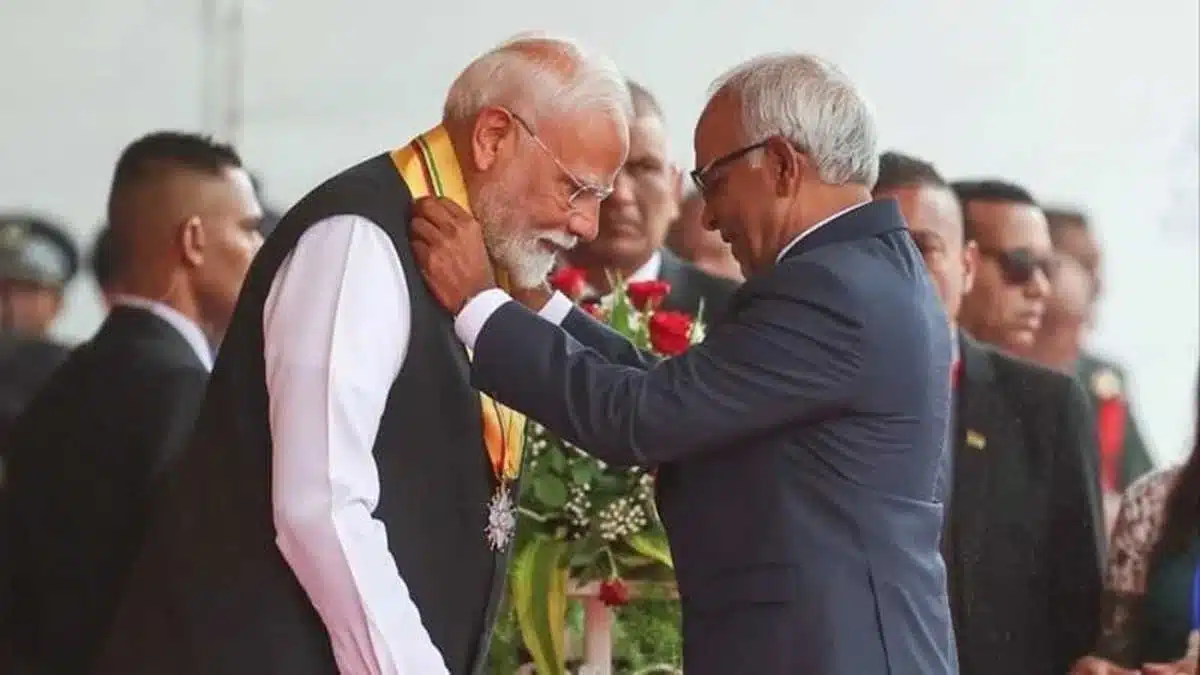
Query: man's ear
(192,241)
(493,128)
(787,166)
(970,262)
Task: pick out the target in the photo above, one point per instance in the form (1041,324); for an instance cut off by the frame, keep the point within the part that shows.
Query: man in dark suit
(1104,379)
(799,446)
(1021,539)
(635,218)
(37,261)
(87,454)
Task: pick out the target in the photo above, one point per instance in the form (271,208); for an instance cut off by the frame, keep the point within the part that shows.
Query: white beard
(512,240)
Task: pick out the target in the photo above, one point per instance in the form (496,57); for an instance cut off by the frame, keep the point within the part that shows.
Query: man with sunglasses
(799,446)
(346,502)
(1004,306)
(1021,535)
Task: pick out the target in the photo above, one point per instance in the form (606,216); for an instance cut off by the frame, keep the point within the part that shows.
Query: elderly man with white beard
(346,502)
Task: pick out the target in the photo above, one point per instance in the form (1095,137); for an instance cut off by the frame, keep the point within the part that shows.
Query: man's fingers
(425,230)
(441,211)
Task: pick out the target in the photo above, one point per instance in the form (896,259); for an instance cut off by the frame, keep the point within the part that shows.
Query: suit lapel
(979,414)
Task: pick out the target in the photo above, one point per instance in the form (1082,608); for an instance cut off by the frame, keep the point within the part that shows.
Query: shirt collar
(816,227)
(183,325)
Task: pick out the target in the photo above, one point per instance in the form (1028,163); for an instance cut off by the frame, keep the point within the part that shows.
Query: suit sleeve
(605,341)
(787,359)
(1135,458)
(1076,531)
(336,329)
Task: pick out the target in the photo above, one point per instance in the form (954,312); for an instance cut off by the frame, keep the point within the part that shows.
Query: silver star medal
(502,519)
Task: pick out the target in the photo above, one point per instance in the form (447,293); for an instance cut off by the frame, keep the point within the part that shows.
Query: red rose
(594,309)
(571,281)
(613,593)
(647,295)
(670,332)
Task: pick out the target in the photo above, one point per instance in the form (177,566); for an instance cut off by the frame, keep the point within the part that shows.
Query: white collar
(816,227)
(183,325)
(649,271)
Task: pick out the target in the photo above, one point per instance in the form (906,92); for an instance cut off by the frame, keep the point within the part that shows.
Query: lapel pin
(975,440)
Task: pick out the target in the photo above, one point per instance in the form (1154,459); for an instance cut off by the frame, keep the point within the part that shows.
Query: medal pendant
(502,518)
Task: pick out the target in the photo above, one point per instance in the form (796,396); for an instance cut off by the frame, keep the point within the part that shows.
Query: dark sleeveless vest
(212,595)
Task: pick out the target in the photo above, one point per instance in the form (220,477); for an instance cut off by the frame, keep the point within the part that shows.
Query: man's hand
(1091,665)
(533,298)
(448,243)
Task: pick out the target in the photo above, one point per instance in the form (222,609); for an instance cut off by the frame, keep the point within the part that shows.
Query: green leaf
(539,596)
(556,461)
(583,472)
(654,548)
(550,490)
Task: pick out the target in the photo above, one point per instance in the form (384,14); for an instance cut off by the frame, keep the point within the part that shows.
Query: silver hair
(528,70)
(814,105)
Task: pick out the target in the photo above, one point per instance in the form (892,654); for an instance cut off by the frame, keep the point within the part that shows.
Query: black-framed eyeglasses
(702,176)
(581,187)
(1018,265)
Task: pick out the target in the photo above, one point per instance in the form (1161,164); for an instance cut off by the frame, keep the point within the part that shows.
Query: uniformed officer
(37,260)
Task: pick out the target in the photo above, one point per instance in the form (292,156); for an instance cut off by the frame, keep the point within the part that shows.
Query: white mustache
(560,239)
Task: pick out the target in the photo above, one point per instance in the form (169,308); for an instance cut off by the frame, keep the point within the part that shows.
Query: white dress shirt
(336,327)
(469,322)
(186,327)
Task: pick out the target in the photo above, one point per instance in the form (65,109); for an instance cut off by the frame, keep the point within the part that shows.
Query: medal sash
(429,167)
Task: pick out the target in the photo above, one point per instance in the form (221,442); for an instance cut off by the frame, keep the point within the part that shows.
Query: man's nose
(622,189)
(1038,286)
(584,223)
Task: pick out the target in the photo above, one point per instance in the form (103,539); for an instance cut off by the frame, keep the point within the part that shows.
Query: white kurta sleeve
(336,327)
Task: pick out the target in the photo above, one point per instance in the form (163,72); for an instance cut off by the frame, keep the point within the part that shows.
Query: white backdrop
(1090,101)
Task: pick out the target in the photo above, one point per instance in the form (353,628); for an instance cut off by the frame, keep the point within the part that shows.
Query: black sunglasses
(1018,265)
(701,176)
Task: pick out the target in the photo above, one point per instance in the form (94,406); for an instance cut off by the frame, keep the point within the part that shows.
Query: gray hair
(814,105)
(547,75)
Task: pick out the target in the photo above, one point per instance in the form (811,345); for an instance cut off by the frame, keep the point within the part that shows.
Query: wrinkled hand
(1092,665)
(448,244)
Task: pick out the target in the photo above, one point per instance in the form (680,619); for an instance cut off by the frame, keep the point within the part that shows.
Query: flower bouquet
(580,521)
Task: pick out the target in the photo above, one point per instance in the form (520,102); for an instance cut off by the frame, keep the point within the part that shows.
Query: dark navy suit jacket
(800,449)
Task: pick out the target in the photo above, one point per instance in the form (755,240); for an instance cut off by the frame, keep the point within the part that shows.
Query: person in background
(1058,345)
(1021,538)
(635,218)
(37,261)
(1150,624)
(88,454)
(1005,305)
(691,239)
(1105,380)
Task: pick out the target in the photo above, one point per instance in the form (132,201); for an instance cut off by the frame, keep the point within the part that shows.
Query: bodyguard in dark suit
(799,447)
(1021,534)
(635,218)
(87,456)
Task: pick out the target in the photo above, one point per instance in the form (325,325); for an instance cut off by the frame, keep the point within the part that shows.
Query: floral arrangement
(581,521)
